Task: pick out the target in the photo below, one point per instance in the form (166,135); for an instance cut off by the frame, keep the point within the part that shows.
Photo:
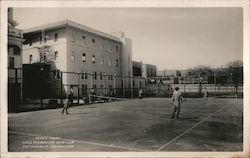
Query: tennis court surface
(214,124)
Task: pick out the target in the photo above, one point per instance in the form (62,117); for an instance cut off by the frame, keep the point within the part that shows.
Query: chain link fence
(38,87)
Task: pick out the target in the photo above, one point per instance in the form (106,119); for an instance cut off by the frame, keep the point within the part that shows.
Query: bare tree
(200,71)
(235,68)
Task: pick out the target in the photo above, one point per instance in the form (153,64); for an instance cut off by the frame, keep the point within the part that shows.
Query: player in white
(205,93)
(177,100)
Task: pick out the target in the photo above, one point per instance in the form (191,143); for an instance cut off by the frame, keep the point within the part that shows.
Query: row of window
(84,87)
(93,42)
(73,39)
(101,76)
(93,59)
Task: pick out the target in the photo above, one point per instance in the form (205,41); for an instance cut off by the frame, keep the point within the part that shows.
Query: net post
(61,88)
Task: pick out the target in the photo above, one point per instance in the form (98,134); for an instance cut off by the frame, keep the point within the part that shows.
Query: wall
(105,54)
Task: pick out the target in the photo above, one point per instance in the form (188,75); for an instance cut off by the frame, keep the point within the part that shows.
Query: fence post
(61,88)
(91,80)
(131,86)
(78,93)
(114,85)
(104,83)
(123,86)
(184,84)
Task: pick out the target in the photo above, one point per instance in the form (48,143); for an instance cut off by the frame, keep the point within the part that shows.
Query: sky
(170,38)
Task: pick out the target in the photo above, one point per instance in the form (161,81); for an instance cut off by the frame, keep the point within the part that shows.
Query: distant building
(149,70)
(100,59)
(137,68)
(170,73)
(15,40)
(171,76)
(144,71)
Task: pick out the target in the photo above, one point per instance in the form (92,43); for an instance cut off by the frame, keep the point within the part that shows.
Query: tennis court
(135,125)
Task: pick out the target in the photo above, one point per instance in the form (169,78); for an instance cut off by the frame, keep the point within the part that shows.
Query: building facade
(79,56)
(149,70)
(15,40)
(137,68)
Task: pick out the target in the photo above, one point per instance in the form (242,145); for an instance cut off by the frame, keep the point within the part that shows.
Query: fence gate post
(61,88)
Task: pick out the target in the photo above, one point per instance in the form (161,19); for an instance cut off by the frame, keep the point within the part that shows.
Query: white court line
(188,130)
(79,141)
(190,112)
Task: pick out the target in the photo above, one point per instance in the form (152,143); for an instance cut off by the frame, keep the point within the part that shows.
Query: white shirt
(177,98)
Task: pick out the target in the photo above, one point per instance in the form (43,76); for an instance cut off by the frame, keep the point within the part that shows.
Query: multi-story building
(149,70)
(15,40)
(80,56)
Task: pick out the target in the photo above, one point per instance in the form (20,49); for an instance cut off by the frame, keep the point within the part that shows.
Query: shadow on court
(131,125)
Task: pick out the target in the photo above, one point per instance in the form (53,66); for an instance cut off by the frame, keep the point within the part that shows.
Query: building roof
(66,22)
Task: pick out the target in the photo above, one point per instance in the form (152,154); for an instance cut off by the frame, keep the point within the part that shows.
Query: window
(83,40)
(72,58)
(11,62)
(111,77)
(95,75)
(94,86)
(117,49)
(93,41)
(86,75)
(56,37)
(117,63)
(101,86)
(56,55)
(73,37)
(100,75)
(30,59)
(93,58)
(83,57)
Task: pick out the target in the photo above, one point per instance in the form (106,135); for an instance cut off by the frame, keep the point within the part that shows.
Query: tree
(178,73)
(234,64)
(235,68)
(200,72)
